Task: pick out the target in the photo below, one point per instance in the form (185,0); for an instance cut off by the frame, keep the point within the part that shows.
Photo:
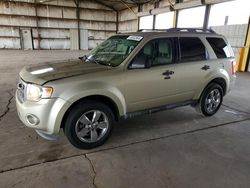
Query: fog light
(32,119)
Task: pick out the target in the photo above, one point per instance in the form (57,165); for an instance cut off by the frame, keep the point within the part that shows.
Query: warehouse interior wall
(54,24)
(232,22)
(128,20)
(51,23)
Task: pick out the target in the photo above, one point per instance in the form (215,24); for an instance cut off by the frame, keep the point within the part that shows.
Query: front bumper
(47,136)
(45,116)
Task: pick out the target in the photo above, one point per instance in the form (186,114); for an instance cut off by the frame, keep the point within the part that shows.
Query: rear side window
(220,47)
(192,49)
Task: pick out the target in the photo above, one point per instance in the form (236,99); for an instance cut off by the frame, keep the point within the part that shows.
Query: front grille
(21,90)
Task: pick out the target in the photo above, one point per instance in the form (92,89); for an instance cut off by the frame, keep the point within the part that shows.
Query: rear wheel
(89,124)
(211,100)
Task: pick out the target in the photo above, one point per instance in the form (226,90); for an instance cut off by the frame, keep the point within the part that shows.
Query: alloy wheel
(92,126)
(212,100)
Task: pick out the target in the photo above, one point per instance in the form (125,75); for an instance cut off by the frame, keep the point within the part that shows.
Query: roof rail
(151,30)
(189,30)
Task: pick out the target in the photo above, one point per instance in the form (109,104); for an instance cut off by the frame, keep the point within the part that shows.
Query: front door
(150,80)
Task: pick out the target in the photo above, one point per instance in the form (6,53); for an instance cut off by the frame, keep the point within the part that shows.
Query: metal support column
(156,5)
(207,15)
(78,22)
(117,22)
(175,19)
(176,15)
(138,18)
(37,29)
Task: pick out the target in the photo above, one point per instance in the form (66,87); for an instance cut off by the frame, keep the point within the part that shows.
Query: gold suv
(125,76)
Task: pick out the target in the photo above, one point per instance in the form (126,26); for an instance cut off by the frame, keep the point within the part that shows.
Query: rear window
(220,47)
(192,49)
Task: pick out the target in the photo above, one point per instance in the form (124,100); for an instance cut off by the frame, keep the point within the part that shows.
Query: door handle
(167,74)
(205,67)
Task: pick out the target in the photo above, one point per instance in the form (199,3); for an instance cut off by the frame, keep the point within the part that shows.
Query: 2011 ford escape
(127,75)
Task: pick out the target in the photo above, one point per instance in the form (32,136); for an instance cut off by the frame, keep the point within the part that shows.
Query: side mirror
(140,62)
(83,58)
(137,66)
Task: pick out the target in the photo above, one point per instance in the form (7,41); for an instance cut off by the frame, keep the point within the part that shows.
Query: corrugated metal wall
(53,22)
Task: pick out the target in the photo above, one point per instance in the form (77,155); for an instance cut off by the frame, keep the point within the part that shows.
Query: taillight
(233,67)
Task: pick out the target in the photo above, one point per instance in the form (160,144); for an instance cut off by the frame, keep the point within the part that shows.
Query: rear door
(193,67)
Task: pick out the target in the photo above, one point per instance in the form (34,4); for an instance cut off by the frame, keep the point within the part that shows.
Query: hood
(49,71)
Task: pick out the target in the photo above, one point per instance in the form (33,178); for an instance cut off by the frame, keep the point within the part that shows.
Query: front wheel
(211,100)
(89,124)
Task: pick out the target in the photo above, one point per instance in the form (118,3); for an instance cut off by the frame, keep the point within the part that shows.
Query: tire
(210,100)
(89,124)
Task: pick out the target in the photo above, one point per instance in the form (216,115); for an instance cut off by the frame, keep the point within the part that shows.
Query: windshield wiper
(93,61)
(85,58)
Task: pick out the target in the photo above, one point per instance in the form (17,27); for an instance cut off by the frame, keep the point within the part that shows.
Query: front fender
(71,94)
(79,91)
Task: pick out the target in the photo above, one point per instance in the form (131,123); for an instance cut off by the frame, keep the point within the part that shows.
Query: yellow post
(243,54)
(239,59)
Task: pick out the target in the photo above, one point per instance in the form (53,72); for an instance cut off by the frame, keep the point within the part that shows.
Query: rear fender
(221,73)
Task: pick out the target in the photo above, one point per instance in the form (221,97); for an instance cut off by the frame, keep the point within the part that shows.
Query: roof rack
(152,30)
(189,30)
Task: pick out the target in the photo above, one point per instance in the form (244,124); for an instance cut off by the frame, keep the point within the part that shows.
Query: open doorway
(26,39)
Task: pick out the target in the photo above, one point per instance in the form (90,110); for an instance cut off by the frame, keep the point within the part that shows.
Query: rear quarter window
(221,49)
(192,49)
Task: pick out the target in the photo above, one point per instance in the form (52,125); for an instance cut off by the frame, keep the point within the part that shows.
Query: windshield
(114,50)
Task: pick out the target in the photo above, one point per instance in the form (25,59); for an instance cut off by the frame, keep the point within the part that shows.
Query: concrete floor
(175,148)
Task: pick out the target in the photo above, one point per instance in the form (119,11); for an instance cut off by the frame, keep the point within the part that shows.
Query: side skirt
(158,109)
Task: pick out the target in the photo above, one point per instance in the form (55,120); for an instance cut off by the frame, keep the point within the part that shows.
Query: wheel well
(221,82)
(99,98)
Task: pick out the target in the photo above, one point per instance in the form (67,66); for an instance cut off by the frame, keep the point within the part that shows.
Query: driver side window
(154,53)
(144,58)
(163,53)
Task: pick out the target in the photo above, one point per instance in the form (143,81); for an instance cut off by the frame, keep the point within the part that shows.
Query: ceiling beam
(101,3)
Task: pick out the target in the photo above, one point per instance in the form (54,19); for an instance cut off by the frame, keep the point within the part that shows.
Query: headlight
(36,93)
